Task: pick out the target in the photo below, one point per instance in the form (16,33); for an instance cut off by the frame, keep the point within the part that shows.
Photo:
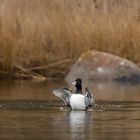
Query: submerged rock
(94,65)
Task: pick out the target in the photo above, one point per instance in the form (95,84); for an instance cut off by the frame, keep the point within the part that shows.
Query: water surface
(29,111)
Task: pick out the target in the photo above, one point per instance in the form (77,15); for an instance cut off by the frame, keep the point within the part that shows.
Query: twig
(14,75)
(52,65)
(31,74)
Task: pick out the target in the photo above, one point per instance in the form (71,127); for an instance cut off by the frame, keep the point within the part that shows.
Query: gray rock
(94,65)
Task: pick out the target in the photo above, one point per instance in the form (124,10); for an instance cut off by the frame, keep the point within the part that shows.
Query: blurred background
(47,36)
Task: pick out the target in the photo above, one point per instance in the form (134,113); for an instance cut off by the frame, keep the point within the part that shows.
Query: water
(29,111)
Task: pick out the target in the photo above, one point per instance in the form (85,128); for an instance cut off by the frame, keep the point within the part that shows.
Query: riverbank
(44,38)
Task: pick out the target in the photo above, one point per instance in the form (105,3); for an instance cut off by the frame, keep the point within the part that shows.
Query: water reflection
(114,91)
(79,122)
(30,111)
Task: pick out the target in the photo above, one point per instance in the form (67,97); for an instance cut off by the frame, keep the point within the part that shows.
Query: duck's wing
(64,94)
(89,98)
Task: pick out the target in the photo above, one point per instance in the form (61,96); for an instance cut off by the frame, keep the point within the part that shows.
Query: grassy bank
(47,36)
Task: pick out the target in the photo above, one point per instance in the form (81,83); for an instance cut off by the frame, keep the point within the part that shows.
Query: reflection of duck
(79,123)
(76,100)
(77,118)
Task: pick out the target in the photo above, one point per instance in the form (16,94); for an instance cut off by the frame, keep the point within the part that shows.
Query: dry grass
(41,32)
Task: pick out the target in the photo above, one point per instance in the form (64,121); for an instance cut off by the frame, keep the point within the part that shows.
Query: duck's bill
(74,83)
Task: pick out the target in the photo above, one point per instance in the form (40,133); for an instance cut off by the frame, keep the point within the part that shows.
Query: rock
(94,65)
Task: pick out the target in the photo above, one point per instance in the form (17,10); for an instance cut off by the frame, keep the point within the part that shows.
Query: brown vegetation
(51,34)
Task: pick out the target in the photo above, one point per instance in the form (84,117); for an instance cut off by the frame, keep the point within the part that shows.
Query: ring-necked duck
(75,100)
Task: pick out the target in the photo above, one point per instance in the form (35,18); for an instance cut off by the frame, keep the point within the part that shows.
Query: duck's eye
(79,81)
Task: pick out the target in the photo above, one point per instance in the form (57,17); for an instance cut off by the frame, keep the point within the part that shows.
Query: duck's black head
(78,84)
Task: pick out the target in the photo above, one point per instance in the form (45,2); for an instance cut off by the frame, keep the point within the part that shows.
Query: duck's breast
(77,102)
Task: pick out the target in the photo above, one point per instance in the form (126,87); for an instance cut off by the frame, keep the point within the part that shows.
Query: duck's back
(77,102)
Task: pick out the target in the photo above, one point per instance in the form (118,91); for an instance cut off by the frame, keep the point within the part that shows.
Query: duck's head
(78,84)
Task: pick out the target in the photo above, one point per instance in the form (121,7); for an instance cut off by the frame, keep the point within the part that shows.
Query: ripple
(57,105)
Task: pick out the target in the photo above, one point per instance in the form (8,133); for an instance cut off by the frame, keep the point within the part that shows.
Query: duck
(76,100)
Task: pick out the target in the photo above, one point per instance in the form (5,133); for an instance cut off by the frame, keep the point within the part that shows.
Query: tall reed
(41,32)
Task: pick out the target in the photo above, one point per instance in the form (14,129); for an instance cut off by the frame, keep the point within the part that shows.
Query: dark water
(29,111)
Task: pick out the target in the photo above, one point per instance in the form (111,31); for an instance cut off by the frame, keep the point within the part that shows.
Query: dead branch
(31,74)
(52,65)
